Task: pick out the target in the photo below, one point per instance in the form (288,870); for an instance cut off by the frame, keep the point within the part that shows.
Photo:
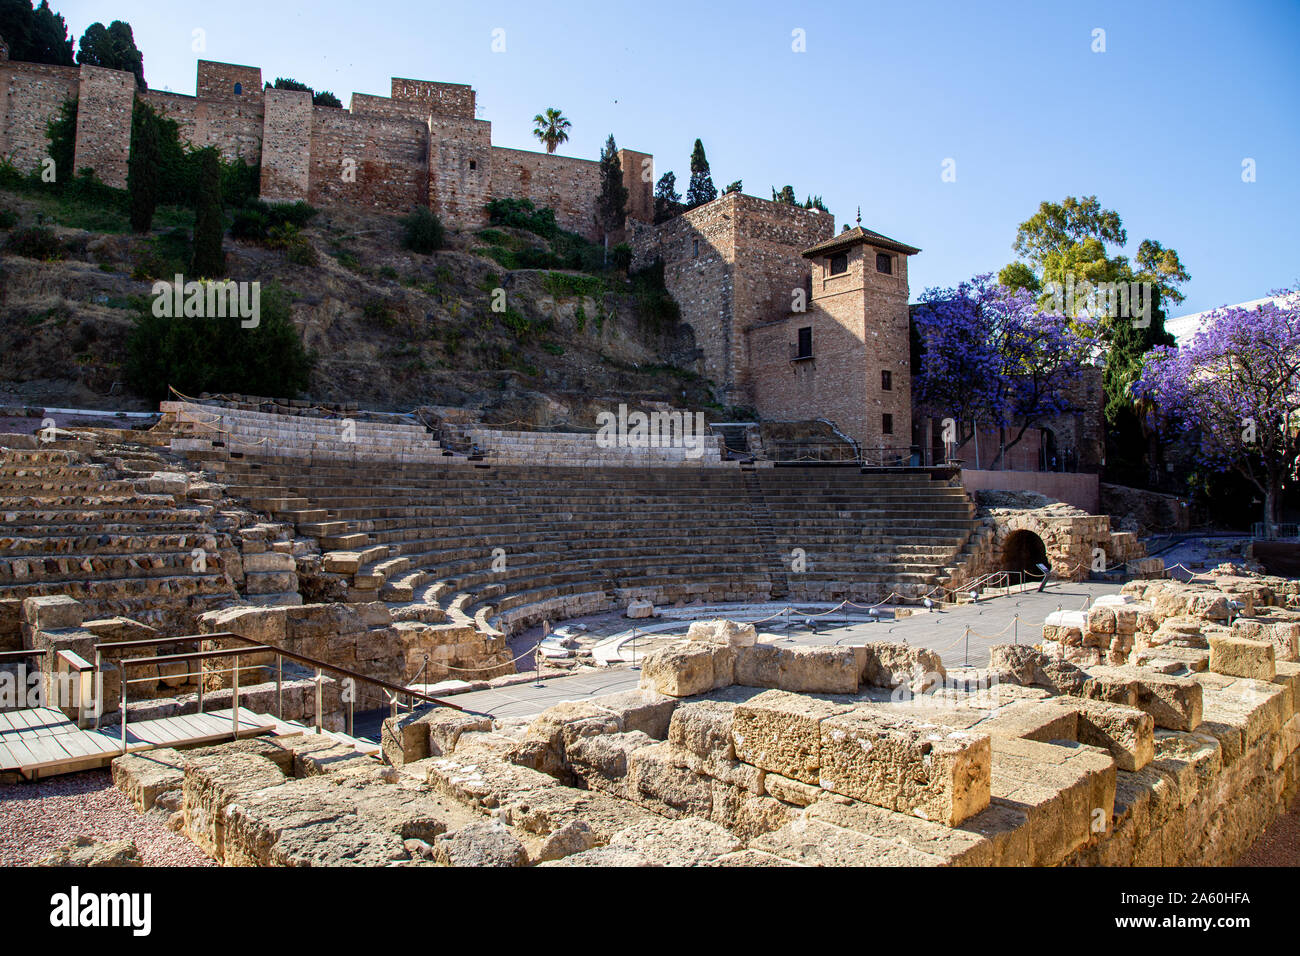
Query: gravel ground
(1280,843)
(38,818)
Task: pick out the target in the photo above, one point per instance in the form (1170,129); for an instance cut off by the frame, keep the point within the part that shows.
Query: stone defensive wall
(729,264)
(420,146)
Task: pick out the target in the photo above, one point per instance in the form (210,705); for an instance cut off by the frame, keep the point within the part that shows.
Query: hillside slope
(391,329)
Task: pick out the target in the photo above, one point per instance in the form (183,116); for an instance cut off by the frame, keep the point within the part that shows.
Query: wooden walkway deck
(43,742)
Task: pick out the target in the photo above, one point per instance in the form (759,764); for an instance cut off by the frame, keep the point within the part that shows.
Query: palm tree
(551,128)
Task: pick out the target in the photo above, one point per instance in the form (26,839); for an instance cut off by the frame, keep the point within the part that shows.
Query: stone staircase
(504,546)
(135,545)
(578,448)
(221,431)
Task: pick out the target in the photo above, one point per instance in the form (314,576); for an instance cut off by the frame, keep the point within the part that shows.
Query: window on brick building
(886,380)
(239,89)
(886,424)
(473,164)
(884,264)
(804,349)
(839,264)
(695,248)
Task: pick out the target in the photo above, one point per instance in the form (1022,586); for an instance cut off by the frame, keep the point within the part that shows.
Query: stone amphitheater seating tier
(69,526)
(198,428)
(576,448)
(576,540)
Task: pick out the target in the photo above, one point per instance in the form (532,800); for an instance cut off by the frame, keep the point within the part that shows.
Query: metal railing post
(351,705)
(234,702)
(122,705)
(279,686)
(318,700)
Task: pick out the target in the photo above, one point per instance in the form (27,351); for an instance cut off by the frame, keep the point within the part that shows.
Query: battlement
(420,146)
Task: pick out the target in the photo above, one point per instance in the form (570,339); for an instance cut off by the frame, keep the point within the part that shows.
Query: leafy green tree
(785,197)
(144,170)
(1069,244)
(35,35)
(668,201)
(701,189)
(1072,238)
(1017,275)
(815,202)
(112,47)
(552,128)
(735,187)
(209,225)
(611,205)
(323,98)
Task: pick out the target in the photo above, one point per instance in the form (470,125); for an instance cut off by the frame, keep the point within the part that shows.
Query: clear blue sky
(1157,126)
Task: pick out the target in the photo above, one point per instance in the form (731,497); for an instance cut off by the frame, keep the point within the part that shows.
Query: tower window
(884,264)
(839,263)
(887,424)
(805,343)
(473,164)
(695,248)
(886,380)
(239,89)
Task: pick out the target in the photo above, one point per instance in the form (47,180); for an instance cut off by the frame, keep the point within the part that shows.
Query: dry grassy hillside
(391,329)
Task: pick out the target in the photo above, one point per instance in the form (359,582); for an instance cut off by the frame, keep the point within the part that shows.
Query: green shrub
(8,218)
(422,231)
(35,242)
(219,354)
(163,257)
(561,284)
(378,310)
(621,257)
(522,214)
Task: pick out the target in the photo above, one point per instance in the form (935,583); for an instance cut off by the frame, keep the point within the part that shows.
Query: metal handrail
(251,647)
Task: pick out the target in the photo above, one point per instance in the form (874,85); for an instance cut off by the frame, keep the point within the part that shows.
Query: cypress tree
(209,225)
(611,206)
(143,178)
(701,189)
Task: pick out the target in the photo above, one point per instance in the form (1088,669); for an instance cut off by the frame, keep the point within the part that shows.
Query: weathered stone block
(53,612)
(818,670)
(680,671)
(901,764)
(1238,657)
(1126,732)
(780,732)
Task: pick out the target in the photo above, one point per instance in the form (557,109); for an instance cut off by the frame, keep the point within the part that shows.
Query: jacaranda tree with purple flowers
(1236,388)
(991,358)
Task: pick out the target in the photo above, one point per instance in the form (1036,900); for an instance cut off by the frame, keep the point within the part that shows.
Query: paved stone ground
(998,620)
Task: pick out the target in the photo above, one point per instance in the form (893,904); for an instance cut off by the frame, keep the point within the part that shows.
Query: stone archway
(1023,551)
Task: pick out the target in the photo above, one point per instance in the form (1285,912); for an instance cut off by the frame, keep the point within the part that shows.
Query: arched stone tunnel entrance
(1024,551)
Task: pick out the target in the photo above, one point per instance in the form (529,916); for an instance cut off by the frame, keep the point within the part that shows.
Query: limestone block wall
(421,146)
(437,99)
(357,637)
(233,126)
(286,158)
(732,264)
(569,186)
(388,157)
(106,100)
(461,169)
(30,96)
